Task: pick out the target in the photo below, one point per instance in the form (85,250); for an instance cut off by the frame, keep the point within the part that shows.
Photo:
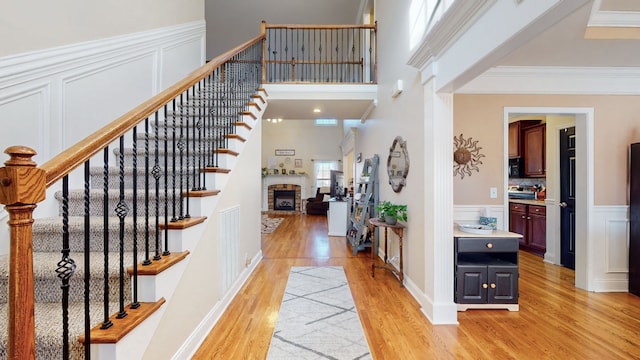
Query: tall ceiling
(602,33)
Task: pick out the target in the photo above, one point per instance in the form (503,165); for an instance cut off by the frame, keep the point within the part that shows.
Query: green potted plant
(391,212)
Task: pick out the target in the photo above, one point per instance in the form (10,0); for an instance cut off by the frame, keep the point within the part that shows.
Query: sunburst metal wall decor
(466,156)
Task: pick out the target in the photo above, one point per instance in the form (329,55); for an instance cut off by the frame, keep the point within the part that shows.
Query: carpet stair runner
(47,233)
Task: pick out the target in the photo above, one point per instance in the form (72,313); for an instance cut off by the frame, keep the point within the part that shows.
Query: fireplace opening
(284,200)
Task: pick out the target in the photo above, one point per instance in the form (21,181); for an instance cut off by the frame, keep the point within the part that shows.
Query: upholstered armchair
(319,204)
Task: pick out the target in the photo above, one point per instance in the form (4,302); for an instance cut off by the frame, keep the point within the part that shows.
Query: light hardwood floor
(555,321)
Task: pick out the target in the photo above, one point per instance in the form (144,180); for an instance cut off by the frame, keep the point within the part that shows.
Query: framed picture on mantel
(285,152)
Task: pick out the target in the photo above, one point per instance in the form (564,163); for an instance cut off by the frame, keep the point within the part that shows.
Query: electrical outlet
(247,260)
(493,193)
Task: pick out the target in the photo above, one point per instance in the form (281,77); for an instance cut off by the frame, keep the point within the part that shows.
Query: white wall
(40,24)
(199,300)
(402,116)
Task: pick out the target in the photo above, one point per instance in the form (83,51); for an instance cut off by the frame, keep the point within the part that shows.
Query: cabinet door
(518,221)
(514,140)
(533,149)
(538,228)
(503,284)
(471,284)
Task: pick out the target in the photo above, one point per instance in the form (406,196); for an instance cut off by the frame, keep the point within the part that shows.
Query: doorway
(583,186)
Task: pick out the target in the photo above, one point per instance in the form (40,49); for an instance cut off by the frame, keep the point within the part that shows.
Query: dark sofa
(316,205)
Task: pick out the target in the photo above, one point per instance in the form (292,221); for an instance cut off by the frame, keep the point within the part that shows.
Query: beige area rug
(269,225)
(318,318)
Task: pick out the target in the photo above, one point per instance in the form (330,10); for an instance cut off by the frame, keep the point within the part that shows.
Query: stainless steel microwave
(516,168)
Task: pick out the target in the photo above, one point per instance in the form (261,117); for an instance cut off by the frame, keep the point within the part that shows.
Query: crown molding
(600,18)
(556,80)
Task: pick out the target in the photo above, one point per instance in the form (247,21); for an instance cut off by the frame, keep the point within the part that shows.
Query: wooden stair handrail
(66,161)
(326,27)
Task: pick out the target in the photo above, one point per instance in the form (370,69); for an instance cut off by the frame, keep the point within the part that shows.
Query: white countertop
(494,234)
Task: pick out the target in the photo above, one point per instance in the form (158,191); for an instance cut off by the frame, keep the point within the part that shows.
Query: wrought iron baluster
(184,199)
(134,303)
(106,323)
(66,267)
(122,210)
(147,199)
(157,173)
(197,182)
(87,260)
(174,135)
(166,183)
(184,114)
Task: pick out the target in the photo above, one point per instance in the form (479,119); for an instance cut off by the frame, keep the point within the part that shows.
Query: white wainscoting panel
(25,117)
(51,98)
(228,256)
(179,59)
(64,93)
(101,93)
(610,248)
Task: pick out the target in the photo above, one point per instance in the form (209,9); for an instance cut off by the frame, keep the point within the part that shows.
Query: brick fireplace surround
(297,189)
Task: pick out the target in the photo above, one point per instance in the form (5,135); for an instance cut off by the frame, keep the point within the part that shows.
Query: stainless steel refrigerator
(634,219)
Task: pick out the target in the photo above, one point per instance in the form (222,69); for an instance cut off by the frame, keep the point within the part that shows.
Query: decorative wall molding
(26,67)
(609,18)
(610,249)
(35,88)
(555,80)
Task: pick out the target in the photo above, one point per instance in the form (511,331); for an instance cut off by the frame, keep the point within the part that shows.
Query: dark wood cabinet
(538,228)
(531,222)
(514,140)
(518,221)
(486,272)
(533,142)
(515,136)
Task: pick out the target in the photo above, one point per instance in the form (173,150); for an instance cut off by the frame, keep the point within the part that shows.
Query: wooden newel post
(22,186)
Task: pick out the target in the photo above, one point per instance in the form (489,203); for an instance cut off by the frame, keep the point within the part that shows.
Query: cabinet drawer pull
(484,286)
(489,245)
(493,286)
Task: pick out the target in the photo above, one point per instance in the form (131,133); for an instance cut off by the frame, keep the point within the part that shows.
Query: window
(326,122)
(322,172)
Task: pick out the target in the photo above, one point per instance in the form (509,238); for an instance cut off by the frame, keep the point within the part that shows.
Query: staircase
(183,200)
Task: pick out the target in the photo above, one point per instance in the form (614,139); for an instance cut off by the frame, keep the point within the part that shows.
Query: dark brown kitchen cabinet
(515,136)
(531,222)
(533,142)
(486,273)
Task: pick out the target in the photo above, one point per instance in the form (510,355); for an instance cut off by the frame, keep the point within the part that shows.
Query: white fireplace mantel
(297,179)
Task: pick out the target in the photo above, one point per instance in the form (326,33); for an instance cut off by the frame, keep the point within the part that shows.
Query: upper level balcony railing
(319,53)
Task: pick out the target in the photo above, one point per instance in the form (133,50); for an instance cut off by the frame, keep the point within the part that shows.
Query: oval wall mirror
(398,164)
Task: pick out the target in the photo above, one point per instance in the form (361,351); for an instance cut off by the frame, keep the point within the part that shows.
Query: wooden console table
(398,229)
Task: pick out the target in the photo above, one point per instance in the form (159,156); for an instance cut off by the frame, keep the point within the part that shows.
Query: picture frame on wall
(298,163)
(285,152)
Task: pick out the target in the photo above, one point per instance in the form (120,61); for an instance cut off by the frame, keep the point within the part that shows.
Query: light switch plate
(493,193)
